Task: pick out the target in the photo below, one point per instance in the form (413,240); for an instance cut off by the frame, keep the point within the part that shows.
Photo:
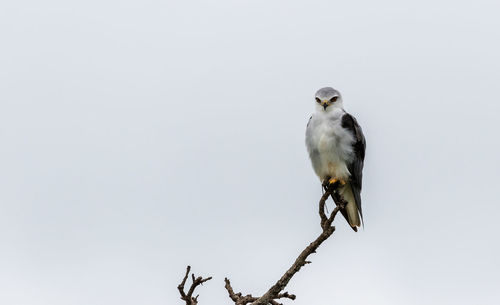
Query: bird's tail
(351,207)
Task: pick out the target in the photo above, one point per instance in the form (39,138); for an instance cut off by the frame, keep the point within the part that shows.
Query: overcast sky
(137,137)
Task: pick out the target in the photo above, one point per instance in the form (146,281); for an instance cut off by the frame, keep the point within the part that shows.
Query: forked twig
(188,297)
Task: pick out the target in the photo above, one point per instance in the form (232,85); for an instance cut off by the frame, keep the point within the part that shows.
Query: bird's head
(327,99)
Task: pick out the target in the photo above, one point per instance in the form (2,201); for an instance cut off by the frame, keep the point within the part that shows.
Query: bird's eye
(334,99)
(318,100)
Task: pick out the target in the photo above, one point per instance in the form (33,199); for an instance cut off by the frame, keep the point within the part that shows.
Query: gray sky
(141,136)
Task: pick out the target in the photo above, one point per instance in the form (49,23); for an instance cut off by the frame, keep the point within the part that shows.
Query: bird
(336,147)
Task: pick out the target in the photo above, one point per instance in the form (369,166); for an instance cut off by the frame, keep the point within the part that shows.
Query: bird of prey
(336,146)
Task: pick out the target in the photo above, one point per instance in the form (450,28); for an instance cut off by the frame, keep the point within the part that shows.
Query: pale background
(141,136)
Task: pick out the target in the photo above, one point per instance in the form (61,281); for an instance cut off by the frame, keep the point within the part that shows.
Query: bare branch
(274,293)
(238,298)
(322,214)
(188,298)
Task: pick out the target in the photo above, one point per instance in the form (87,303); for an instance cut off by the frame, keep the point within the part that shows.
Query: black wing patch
(356,165)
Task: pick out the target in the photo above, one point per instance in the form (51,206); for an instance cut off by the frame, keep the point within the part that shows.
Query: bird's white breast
(329,145)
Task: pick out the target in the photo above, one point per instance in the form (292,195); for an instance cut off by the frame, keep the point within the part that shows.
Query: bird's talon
(332,180)
(335,180)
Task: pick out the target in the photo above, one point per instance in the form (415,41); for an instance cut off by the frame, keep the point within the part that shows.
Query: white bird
(336,146)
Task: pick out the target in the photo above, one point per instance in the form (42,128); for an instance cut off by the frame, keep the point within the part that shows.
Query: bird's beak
(325,103)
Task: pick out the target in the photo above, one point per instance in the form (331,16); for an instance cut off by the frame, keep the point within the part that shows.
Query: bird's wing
(356,165)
